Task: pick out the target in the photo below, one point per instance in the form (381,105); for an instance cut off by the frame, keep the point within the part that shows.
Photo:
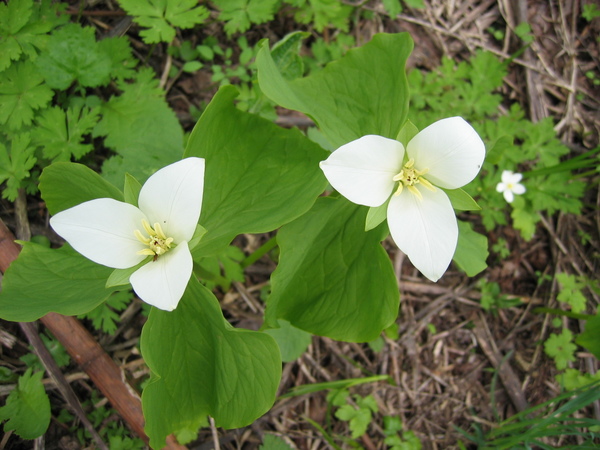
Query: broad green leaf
(292,342)
(471,250)
(365,92)
(286,54)
(27,407)
(590,338)
(129,122)
(202,366)
(74,55)
(64,185)
(43,280)
(333,278)
(22,91)
(258,175)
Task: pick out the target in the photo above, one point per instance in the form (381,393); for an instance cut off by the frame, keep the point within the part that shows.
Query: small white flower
(119,235)
(509,186)
(448,154)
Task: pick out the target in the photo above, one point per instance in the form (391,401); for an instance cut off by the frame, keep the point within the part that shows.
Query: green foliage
(590,11)
(358,415)
(239,15)
(104,317)
(129,126)
(74,55)
(561,416)
(321,286)
(572,379)
(336,99)
(24,26)
(42,280)
(160,17)
(61,133)
(222,269)
(392,426)
(16,163)
(561,348)
(22,92)
(322,13)
(590,338)
(471,250)
(570,291)
(292,341)
(56,349)
(27,408)
(272,442)
(492,298)
(252,197)
(237,370)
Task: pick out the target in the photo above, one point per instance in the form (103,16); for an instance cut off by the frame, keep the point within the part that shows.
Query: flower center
(409,177)
(158,243)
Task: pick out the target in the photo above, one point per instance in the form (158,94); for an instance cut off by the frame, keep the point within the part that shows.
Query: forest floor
(453,365)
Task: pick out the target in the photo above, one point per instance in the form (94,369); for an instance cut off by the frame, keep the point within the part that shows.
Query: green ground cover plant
(151,210)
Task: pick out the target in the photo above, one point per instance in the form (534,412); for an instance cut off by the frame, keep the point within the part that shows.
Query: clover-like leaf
(561,348)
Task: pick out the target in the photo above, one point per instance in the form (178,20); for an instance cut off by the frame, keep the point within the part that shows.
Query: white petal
(161,283)
(425,230)
(452,151)
(518,189)
(102,230)
(501,187)
(362,170)
(173,197)
(508,195)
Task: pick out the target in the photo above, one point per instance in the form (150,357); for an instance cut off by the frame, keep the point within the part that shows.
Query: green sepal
(460,200)
(131,189)
(407,132)
(376,215)
(199,232)
(471,250)
(120,277)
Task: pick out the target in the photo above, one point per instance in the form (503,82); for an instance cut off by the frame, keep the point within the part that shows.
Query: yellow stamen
(409,177)
(158,243)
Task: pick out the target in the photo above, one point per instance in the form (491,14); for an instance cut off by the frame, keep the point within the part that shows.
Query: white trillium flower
(120,235)
(447,154)
(509,186)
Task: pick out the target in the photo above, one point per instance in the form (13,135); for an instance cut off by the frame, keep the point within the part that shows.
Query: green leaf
(64,185)
(272,442)
(24,27)
(461,200)
(240,14)
(21,93)
(15,164)
(286,54)
(560,348)
(392,7)
(104,317)
(471,250)
(570,292)
(258,175)
(365,92)
(590,338)
(161,16)
(120,277)
(27,407)
(129,122)
(43,280)
(203,366)
(322,13)
(74,55)
(292,342)
(333,279)
(61,134)
(524,220)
